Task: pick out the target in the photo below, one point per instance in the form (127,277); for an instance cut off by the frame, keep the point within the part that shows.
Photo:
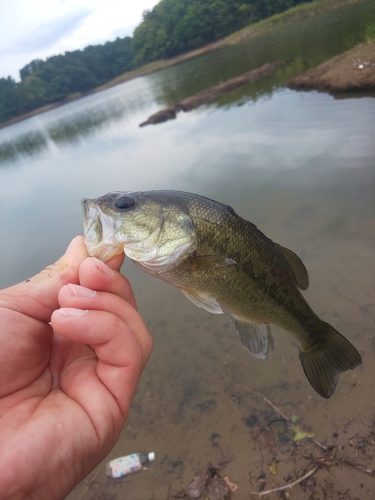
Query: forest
(45,82)
(171,28)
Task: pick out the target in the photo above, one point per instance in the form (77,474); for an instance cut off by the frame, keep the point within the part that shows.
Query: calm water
(301,165)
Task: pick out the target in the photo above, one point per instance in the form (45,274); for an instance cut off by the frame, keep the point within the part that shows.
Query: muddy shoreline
(246,33)
(130,75)
(208,95)
(352,71)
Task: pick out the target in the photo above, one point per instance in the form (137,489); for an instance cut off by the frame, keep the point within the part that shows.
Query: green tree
(175,26)
(80,70)
(9,99)
(170,28)
(33,92)
(30,68)
(267,8)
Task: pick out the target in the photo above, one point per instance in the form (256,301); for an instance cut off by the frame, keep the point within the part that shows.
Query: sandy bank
(354,70)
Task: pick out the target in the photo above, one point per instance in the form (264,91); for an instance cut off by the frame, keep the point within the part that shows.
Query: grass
(294,14)
(370,32)
(301,11)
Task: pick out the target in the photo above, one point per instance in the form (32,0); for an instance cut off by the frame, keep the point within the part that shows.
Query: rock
(160,117)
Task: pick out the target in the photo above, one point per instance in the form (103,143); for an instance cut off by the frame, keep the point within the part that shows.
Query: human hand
(67,376)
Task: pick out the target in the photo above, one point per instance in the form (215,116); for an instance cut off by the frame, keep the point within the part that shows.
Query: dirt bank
(354,70)
(209,95)
(290,16)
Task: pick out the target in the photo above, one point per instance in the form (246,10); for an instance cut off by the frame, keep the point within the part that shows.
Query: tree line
(45,82)
(170,28)
(176,26)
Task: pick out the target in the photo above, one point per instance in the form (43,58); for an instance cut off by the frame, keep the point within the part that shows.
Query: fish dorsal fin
(299,269)
(206,262)
(256,337)
(203,300)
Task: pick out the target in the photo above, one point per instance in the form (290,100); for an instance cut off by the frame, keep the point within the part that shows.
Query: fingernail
(103,268)
(71,312)
(81,291)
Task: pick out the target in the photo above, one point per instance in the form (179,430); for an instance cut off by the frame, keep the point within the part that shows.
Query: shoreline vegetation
(171,28)
(324,77)
(349,72)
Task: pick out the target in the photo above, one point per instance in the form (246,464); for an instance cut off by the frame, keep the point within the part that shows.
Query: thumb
(37,297)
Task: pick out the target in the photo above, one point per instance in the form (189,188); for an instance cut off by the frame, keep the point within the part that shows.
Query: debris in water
(211,485)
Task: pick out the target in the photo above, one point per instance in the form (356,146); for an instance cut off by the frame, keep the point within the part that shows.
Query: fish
(221,262)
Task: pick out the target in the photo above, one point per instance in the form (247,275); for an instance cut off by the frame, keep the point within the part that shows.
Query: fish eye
(124,202)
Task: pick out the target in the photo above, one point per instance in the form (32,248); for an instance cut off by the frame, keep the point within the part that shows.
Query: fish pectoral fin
(256,337)
(299,269)
(203,300)
(206,262)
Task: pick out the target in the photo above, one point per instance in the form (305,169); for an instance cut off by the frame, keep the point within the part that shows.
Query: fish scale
(220,261)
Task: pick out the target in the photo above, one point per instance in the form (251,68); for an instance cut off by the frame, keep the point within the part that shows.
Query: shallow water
(299,165)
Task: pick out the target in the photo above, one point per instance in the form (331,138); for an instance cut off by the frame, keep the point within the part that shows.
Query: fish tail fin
(323,363)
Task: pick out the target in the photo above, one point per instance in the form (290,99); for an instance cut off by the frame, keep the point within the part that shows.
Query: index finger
(36,297)
(95,274)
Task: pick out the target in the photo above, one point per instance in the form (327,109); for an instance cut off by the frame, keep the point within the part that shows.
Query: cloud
(122,31)
(50,32)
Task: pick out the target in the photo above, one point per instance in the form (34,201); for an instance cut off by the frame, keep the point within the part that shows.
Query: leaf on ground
(299,434)
(273,468)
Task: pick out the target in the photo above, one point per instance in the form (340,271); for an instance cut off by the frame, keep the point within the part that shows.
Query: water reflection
(28,144)
(300,45)
(70,132)
(66,131)
(69,124)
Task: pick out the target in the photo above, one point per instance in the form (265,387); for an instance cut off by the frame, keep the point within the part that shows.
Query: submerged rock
(160,117)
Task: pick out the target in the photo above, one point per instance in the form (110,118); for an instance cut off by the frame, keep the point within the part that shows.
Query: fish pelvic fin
(299,269)
(323,363)
(255,337)
(203,300)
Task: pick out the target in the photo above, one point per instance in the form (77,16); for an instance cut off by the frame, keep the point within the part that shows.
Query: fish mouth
(99,231)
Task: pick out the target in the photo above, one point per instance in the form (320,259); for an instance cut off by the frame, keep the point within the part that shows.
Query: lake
(301,166)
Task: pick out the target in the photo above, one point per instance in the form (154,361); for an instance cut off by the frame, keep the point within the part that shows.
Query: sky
(37,29)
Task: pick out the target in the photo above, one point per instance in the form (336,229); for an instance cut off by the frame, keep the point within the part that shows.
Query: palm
(63,403)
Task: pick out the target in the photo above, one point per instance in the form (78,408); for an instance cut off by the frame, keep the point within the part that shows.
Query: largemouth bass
(220,261)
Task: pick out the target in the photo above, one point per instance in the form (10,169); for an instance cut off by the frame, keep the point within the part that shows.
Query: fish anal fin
(203,300)
(323,363)
(299,269)
(255,337)
(206,262)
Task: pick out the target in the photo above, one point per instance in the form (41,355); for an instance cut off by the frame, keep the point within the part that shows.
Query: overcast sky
(36,29)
